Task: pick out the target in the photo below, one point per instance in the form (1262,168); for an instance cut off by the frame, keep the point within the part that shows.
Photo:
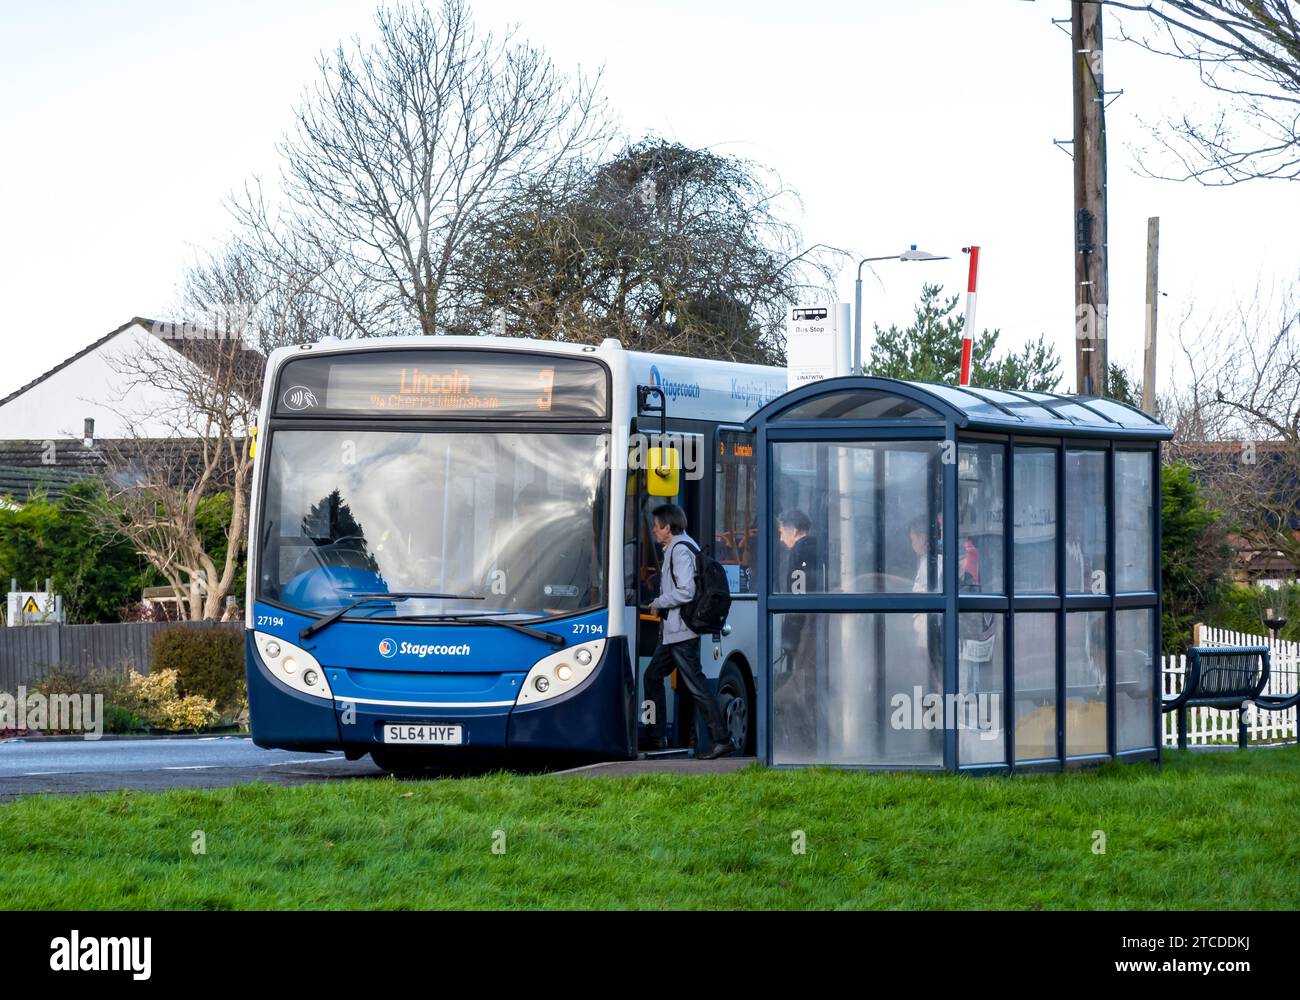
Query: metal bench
(1226,677)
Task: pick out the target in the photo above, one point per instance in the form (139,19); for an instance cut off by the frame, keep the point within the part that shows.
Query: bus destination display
(443,383)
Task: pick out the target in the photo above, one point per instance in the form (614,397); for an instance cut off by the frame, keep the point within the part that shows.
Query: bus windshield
(508,523)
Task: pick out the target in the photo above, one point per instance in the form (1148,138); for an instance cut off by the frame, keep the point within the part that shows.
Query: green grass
(1208,830)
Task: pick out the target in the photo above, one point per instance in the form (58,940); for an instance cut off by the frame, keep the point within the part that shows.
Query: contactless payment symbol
(299,397)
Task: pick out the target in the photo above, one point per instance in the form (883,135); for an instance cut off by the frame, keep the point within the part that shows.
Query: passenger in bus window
(679,647)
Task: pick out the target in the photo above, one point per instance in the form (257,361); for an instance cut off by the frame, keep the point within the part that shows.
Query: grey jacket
(682,560)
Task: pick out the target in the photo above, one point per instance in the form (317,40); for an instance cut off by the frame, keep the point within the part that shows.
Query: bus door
(643,564)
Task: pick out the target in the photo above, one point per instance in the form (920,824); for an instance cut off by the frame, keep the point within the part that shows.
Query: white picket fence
(1213,725)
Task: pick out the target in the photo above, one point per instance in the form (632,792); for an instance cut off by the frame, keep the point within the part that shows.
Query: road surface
(103,765)
(72,766)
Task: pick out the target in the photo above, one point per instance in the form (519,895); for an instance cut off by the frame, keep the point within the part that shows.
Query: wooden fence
(28,653)
(1213,725)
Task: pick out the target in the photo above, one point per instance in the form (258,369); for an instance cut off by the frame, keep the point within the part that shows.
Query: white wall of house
(91,387)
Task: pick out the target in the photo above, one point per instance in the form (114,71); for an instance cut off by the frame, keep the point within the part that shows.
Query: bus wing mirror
(663,472)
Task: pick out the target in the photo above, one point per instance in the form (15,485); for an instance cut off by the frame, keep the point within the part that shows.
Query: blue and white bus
(450,548)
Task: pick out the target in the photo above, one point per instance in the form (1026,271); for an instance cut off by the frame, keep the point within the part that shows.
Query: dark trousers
(684,657)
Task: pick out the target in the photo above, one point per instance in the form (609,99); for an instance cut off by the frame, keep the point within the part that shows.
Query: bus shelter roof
(1005,411)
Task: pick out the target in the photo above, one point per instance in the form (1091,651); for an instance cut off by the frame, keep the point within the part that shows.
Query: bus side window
(735,509)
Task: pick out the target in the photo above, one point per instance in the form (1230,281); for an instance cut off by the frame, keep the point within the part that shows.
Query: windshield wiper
(403,595)
(487,619)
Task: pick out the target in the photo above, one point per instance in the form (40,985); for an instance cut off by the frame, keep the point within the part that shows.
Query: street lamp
(910,254)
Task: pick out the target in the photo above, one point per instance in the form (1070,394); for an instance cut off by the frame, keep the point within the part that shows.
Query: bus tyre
(737,708)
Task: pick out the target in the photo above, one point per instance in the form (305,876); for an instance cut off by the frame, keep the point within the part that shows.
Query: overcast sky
(126,123)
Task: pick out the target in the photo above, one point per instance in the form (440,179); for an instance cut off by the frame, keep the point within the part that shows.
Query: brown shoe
(719,750)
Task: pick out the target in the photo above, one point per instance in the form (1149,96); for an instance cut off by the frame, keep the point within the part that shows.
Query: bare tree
(181,476)
(231,292)
(1238,421)
(400,150)
(1248,53)
(161,485)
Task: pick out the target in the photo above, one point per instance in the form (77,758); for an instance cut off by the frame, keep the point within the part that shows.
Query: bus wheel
(737,711)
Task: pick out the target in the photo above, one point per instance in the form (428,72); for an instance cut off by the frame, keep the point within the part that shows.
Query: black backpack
(707,611)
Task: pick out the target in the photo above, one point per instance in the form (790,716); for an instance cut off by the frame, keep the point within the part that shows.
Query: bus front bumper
(597,717)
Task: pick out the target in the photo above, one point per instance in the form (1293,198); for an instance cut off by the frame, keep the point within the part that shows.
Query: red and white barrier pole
(968,330)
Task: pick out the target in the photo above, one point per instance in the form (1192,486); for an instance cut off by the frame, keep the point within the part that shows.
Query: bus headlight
(293,666)
(561,672)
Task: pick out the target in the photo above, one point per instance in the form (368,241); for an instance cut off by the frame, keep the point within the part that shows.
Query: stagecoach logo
(299,397)
(674,389)
(388,649)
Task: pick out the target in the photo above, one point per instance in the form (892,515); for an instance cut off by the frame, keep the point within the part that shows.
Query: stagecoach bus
(450,547)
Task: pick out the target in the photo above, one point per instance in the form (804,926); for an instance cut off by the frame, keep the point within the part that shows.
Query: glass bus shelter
(957,578)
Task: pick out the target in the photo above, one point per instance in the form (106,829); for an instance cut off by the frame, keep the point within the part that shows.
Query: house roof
(29,466)
(191,348)
(21,482)
(67,361)
(66,453)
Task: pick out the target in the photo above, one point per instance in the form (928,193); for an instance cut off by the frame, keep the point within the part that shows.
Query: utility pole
(1091,288)
(1153,294)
